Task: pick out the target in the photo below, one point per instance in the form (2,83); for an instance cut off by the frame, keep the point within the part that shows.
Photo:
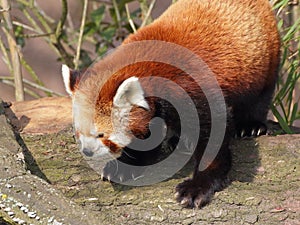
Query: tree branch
(15,58)
(83,19)
(7,80)
(129,19)
(148,18)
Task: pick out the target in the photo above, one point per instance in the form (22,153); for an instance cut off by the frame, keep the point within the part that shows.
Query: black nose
(88,152)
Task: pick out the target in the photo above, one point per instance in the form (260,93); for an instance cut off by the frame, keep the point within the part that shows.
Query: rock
(251,219)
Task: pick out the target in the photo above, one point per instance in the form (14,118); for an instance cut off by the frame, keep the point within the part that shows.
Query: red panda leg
(198,190)
(250,115)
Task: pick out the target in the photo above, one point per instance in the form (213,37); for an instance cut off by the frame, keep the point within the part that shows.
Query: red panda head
(105,126)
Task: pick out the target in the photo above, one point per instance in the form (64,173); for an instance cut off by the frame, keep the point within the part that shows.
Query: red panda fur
(239,42)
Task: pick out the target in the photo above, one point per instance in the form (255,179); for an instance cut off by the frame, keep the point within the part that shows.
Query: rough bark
(26,198)
(45,172)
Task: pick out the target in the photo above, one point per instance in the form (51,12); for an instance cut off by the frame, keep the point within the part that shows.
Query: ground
(44,172)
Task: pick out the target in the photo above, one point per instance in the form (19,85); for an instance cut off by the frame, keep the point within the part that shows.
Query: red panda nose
(87,152)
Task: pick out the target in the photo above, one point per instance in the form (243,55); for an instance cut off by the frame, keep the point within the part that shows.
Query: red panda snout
(115,125)
(92,146)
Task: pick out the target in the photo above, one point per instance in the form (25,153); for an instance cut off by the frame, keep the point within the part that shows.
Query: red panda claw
(259,132)
(242,133)
(186,202)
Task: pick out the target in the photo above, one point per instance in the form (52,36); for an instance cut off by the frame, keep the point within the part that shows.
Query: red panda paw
(195,193)
(251,129)
(112,172)
(117,172)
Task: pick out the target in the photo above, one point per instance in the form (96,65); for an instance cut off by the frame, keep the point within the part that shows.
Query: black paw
(117,172)
(192,195)
(251,129)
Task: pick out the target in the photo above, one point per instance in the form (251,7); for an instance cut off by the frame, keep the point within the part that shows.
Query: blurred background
(37,52)
(46,35)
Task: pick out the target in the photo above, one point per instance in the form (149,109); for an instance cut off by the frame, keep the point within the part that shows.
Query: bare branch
(83,19)
(14,55)
(62,20)
(7,80)
(5,57)
(24,26)
(148,14)
(129,19)
(118,15)
(26,90)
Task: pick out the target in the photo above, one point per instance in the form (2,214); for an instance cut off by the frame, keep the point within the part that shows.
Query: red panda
(114,104)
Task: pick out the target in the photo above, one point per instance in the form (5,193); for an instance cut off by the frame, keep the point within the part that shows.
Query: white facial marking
(83,115)
(66,77)
(120,139)
(91,146)
(129,93)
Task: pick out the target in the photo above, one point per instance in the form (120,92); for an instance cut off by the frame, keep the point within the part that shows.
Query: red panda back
(237,39)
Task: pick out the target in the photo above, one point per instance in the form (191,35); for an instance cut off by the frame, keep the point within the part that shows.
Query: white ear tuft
(130,92)
(66,74)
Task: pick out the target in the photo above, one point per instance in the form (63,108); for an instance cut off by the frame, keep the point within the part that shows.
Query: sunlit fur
(239,42)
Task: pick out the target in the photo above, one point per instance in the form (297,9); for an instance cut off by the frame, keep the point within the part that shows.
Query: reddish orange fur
(113,147)
(239,42)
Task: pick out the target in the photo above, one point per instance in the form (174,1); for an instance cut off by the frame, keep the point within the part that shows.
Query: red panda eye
(100,135)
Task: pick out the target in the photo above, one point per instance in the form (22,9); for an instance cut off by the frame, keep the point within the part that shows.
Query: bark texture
(42,170)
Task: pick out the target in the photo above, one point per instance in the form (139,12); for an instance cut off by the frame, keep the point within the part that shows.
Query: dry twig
(14,52)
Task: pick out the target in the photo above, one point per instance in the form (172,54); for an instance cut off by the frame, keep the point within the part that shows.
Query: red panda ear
(71,78)
(130,93)
(66,74)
